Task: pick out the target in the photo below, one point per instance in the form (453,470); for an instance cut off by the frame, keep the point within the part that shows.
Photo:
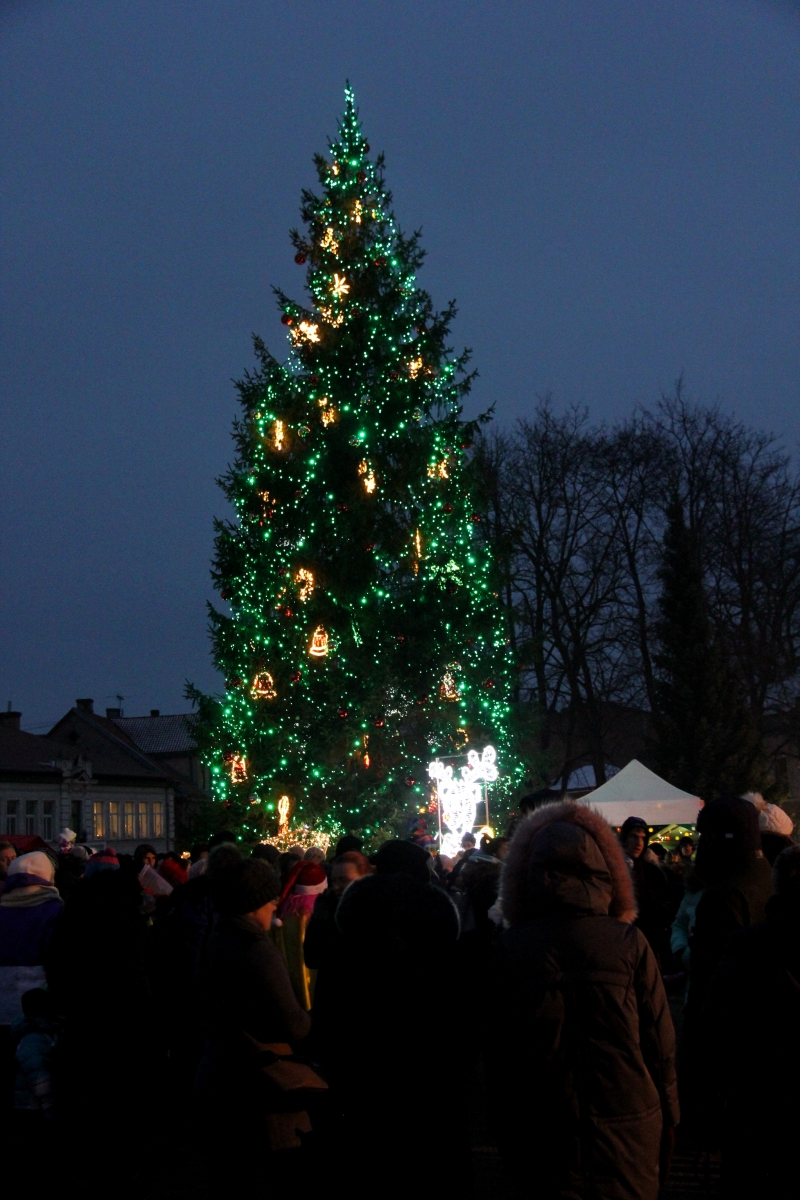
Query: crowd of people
(271,1010)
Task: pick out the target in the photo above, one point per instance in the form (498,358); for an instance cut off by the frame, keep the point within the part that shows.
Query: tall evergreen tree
(705,738)
(364,631)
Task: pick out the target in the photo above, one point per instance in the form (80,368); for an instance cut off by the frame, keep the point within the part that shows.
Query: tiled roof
(20,751)
(169,734)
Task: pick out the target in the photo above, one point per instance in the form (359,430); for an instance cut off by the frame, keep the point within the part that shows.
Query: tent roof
(637,791)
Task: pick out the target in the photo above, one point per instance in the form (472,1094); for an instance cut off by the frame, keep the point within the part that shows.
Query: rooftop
(157,734)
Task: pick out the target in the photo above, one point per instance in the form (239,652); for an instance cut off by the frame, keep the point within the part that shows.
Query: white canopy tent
(635,791)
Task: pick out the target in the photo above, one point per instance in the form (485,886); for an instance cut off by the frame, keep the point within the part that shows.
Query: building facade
(89,773)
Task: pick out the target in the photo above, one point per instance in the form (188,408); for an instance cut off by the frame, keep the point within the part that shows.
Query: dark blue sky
(608,188)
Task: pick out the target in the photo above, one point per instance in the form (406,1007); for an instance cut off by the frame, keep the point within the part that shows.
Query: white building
(91,773)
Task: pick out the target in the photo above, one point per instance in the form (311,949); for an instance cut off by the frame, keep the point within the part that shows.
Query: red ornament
(366,147)
(448,508)
(313,380)
(380,261)
(394,375)
(466,445)
(408,781)
(361,177)
(225,595)
(379,724)
(401,637)
(295,677)
(287,612)
(488,683)
(300,258)
(476,517)
(342,508)
(286,319)
(370,547)
(422,699)
(343,713)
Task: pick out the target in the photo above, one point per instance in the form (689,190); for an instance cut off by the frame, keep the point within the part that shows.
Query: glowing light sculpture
(459,795)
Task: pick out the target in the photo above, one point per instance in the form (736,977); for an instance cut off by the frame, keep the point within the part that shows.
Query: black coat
(726,907)
(581,1069)
(755,1000)
(246,993)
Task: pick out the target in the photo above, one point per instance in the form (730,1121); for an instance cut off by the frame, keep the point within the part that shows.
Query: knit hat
(244,887)
(67,838)
(104,860)
(729,819)
(173,872)
(773,819)
(631,825)
(37,865)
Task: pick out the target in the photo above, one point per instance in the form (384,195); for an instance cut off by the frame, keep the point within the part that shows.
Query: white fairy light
(459,796)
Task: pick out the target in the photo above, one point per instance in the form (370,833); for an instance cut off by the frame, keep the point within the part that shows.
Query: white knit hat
(772,819)
(35,863)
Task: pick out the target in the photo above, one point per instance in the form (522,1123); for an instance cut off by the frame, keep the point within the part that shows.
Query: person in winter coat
(29,909)
(650,883)
(248,1002)
(583,1092)
(394,972)
(321,931)
(758,984)
(737,884)
(304,884)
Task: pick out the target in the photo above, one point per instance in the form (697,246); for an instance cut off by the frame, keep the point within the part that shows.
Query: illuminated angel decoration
(459,797)
(329,242)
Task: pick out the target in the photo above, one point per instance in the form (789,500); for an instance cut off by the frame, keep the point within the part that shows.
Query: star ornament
(340,287)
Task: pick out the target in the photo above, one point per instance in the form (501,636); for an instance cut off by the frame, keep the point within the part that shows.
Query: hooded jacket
(580,1099)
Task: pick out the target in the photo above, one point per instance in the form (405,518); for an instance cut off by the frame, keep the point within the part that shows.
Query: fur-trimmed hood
(565,859)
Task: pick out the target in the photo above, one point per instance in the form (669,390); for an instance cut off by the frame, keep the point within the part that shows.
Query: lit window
(113,818)
(144,830)
(158,819)
(30,817)
(11,816)
(47,820)
(98,829)
(127,829)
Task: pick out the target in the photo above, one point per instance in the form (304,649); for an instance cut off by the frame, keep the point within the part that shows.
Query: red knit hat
(173,872)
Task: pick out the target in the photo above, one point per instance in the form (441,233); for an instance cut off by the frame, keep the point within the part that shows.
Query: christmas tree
(364,633)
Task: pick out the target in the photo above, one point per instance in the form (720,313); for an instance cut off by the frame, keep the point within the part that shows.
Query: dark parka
(580,1092)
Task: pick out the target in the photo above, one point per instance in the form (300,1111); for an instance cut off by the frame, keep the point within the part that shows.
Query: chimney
(111,713)
(155,712)
(85,705)
(10,720)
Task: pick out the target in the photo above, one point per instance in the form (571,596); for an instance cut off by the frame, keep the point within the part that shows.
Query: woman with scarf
(29,908)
